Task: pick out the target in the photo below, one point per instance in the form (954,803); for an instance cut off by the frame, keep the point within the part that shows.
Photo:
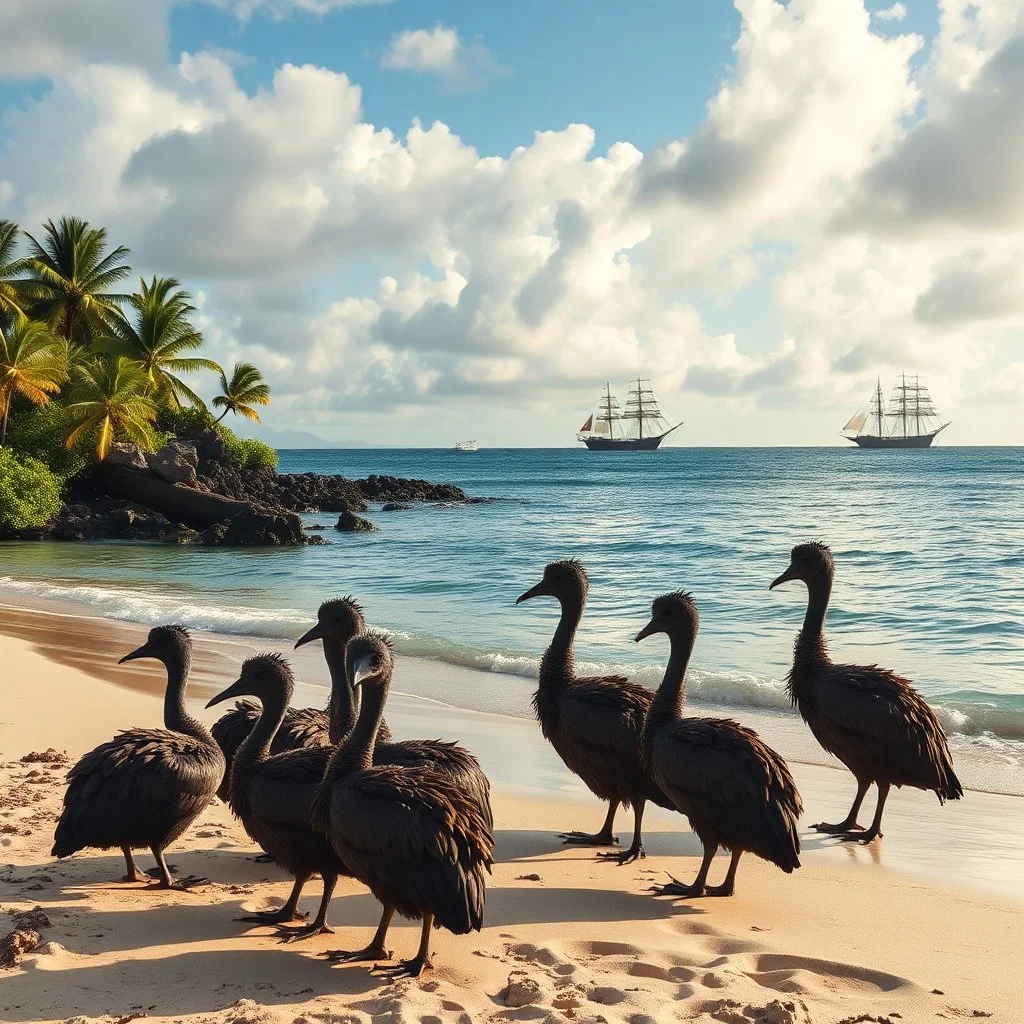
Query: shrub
(29,492)
(41,433)
(247,453)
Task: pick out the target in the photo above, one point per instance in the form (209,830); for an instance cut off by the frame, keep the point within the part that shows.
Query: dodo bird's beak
(140,652)
(651,628)
(361,669)
(789,574)
(540,590)
(314,633)
(236,689)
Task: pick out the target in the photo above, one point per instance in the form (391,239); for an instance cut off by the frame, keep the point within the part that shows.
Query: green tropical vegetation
(85,365)
(239,393)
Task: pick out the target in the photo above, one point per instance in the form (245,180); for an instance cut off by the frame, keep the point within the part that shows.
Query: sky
(435,221)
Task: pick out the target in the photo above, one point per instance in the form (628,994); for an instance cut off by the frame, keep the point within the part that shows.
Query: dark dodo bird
(302,728)
(143,789)
(272,795)
(415,837)
(734,789)
(334,630)
(594,723)
(873,720)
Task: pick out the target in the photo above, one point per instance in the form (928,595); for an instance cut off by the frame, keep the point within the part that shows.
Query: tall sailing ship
(641,426)
(909,420)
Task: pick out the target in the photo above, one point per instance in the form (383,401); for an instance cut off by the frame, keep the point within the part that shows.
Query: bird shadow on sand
(527,846)
(172,943)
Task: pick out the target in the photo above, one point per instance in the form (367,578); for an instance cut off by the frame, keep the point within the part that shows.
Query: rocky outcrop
(176,462)
(349,522)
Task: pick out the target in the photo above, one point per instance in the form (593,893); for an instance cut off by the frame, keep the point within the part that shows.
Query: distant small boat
(908,422)
(466,446)
(641,427)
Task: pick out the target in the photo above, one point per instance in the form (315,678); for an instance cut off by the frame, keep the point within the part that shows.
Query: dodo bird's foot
(186,884)
(298,934)
(279,916)
(404,968)
(725,889)
(588,839)
(355,956)
(676,888)
(862,837)
(625,857)
(837,829)
(137,877)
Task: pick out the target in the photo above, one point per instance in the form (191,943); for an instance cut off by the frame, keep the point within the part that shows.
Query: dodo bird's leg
(849,824)
(727,887)
(677,888)
(374,951)
(131,872)
(166,881)
(319,925)
(636,850)
(606,837)
(875,831)
(419,963)
(283,913)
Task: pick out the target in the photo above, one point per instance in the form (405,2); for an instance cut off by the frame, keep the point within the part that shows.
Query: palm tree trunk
(3,425)
(222,415)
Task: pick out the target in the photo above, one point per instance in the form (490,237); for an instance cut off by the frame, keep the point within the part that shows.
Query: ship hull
(631,444)
(874,441)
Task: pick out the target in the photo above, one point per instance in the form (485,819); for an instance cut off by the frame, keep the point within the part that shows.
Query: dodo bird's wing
(302,728)
(881,709)
(144,773)
(606,714)
(281,788)
(719,762)
(412,834)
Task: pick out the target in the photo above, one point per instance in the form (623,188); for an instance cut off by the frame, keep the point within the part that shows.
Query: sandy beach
(925,926)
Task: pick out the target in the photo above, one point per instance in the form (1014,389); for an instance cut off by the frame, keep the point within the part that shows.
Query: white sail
(856,422)
(602,427)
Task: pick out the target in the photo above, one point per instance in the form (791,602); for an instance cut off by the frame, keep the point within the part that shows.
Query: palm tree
(12,290)
(70,276)
(160,330)
(245,389)
(32,365)
(109,399)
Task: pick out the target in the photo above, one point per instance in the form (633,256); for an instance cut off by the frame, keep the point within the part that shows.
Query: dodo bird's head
(339,619)
(810,562)
(267,677)
(164,643)
(564,579)
(369,659)
(674,614)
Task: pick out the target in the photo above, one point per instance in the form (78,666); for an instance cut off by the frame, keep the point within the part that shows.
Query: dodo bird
(145,787)
(594,723)
(334,629)
(301,728)
(734,789)
(415,836)
(873,720)
(272,795)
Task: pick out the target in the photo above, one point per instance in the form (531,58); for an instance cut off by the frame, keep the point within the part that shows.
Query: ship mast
(879,407)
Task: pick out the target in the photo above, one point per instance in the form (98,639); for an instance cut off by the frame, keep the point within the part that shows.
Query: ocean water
(930,570)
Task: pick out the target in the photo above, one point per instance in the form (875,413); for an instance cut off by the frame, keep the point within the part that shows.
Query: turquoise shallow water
(928,545)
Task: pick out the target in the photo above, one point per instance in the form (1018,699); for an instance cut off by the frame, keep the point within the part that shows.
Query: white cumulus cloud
(441,51)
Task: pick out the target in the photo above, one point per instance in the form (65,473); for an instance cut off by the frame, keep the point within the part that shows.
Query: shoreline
(980,766)
(574,933)
(977,842)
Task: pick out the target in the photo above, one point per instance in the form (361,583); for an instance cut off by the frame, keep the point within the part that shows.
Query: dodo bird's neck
(810,643)
(343,706)
(558,664)
(355,753)
(671,696)
(176,716)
